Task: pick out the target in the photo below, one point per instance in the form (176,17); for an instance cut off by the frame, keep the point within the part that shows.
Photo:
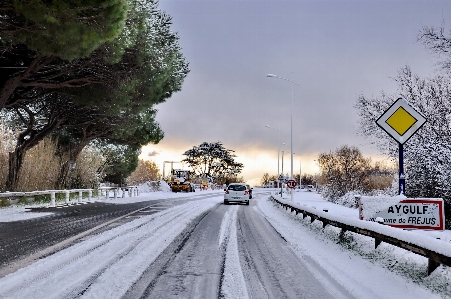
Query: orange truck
(180,181)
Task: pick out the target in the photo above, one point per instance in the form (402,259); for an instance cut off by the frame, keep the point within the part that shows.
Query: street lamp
(281,185)
(291,119)
(300,170)
(278,149)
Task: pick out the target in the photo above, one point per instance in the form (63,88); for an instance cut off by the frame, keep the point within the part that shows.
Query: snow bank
(154,186)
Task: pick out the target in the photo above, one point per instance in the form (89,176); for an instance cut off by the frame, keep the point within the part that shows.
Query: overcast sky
(335,51)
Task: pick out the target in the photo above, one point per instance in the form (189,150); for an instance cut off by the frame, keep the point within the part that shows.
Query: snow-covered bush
(348,200)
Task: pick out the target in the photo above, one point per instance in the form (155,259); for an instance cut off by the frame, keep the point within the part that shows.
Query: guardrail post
(123,192)
(376,242)
(80,196)
(67,197)
(89,195)
(342,234)
(52,199)
(311,218)
(130,190)
(107,193)
(115,193)
(432,265)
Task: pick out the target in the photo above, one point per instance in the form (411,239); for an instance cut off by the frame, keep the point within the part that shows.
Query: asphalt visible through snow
(270,266)
(43,236)
(190,267)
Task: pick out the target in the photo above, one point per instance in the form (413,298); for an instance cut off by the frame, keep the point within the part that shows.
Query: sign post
(280,181)
(401,121)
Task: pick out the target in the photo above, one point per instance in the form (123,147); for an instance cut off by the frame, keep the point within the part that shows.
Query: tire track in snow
(146,282)
(232,284)
(83,257)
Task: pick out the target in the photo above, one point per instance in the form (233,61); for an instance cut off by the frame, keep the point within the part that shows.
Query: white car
(236,192)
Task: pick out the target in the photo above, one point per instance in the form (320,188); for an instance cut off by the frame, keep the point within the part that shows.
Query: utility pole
(172,166)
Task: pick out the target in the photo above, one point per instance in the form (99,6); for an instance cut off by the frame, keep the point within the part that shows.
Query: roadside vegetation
(344,173)
(41,165)
(146,171)
(346,170)
(84,75)
(214,163)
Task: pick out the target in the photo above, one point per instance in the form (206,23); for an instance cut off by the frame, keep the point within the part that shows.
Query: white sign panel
(422,213)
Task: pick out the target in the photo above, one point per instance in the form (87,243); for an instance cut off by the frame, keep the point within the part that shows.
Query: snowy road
(204,249)
(207,261)
(270,266)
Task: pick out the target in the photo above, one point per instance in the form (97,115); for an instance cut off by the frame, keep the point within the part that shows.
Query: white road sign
(418,213)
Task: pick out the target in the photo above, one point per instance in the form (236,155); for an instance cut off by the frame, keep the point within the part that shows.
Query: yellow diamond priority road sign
(401,121)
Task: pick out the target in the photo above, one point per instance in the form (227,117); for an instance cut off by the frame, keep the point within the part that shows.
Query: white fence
(102,191)
(131,190)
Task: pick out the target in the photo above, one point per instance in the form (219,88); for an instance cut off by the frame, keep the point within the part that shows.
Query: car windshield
(237,187)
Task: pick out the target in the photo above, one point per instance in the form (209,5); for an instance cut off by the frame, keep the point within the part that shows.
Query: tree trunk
(15,163)
(63,174)
(63,181)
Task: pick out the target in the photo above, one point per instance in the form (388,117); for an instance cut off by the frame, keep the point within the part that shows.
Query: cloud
(153,154)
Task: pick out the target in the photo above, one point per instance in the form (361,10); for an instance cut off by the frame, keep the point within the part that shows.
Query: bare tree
(343,170)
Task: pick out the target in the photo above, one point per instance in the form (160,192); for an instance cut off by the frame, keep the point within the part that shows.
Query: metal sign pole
(402,179)
(401,121)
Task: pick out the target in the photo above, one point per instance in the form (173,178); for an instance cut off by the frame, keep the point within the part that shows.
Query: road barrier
(131,190)
(437,252)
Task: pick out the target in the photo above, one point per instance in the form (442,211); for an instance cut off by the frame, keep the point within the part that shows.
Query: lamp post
(278,149)
(300,173)
(281,185)
(300,170)
(291,119)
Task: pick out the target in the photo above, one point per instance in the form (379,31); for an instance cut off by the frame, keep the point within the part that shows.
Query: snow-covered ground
(385,272)
(22,212)
(375,273)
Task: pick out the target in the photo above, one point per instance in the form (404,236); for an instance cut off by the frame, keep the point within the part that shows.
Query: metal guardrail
(131,190)
(434,258)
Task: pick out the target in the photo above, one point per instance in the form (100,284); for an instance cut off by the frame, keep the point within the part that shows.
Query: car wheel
(226,202)
(247,203)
